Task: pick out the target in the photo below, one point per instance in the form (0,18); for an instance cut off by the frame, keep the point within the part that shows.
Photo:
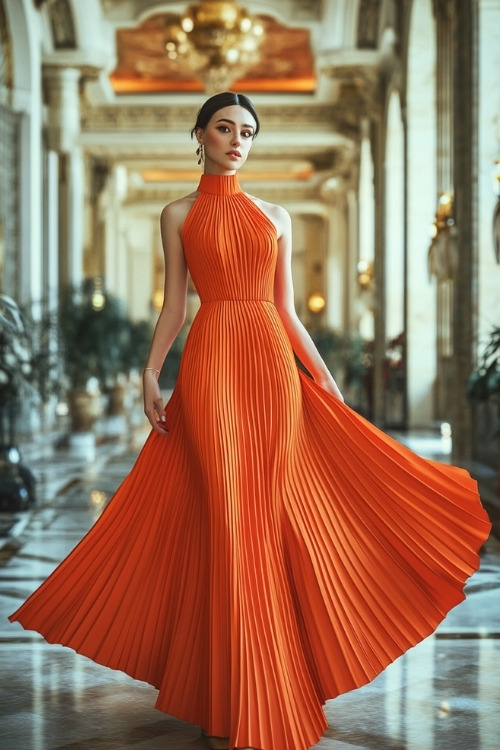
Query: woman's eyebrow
(224,119)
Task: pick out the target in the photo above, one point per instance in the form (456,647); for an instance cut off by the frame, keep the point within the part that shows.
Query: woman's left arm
(300,339)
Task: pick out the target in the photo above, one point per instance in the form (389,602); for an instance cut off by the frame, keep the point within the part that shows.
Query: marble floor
(442,695)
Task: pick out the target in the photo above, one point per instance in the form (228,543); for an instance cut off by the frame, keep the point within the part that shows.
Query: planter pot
(17,483)
(85,409)
(117,400)
(486,426)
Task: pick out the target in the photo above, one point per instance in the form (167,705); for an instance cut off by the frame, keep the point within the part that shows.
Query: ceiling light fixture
(215,40)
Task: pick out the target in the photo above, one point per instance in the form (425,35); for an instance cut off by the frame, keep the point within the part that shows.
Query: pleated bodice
(223,264)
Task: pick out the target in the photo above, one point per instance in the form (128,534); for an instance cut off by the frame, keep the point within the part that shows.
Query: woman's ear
(199,133)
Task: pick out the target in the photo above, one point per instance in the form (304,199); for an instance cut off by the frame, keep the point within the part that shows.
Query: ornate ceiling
(319,68)
(286,60)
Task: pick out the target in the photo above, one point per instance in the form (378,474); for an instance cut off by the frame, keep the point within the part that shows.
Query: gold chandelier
(217,41)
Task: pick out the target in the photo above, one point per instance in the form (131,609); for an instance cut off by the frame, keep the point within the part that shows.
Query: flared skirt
(273,551)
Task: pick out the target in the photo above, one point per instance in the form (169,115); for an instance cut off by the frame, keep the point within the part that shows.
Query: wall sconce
(98,298)
(442,257)
(316,302)
(158,299)
(365,273)
(496,212)
(444,214)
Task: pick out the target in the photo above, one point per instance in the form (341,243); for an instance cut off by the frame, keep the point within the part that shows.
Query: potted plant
(134,354)
(130,355)
(78,341)
(483,389)
(15,367)
(17,484)
(484,382)
(100,345)
(346,357)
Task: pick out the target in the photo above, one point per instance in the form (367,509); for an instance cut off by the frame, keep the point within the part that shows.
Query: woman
(270,549)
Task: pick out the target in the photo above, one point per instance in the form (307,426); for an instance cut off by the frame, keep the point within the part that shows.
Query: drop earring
(199,152)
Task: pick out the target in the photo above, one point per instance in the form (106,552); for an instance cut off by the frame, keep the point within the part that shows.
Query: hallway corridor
(371,200)
(442,695)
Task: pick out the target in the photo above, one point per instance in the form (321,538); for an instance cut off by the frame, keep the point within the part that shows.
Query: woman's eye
(247,134)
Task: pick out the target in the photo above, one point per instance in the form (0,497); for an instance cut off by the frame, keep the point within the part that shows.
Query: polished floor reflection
(442,695)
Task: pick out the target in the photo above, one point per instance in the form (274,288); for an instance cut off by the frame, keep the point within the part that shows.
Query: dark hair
(219,101)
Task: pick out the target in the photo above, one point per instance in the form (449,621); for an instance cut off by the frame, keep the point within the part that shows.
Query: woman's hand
(153,402)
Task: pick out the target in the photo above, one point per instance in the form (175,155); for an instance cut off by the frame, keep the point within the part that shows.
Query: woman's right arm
(172,314)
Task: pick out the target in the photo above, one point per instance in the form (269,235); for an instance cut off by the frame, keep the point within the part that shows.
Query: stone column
(464,145)
(464,149)
(24,222)
(379,415)
(50,226)
(62,133)
(97,176)
(333,193)
(352,250)
(63,98)
(444,395)
(488,153)
(114,258)
(71,217)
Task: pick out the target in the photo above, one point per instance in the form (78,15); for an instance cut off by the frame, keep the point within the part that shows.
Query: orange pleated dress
(276,549)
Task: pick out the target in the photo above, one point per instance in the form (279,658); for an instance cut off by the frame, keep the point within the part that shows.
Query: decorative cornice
(125,10)
(368,23)
(147,118)
(295,191)
(359,75)
(62,24)
(136,118)
(305,11)
(325,186)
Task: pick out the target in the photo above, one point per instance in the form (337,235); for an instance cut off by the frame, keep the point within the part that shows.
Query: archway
(394,282)
(9,165)
(366,235)
(420,208)
(25,272)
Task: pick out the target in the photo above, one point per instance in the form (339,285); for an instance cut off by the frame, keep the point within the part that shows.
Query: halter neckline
(219,184)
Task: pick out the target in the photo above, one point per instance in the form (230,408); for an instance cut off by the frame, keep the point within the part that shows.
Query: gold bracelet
(152,368)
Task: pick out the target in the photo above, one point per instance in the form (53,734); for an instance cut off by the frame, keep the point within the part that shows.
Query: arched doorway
(366,193)
(9,166)
(421,199)
(22,125)
(394,281)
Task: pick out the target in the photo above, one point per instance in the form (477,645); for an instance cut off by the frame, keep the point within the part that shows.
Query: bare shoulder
(277,214)
(174,214)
